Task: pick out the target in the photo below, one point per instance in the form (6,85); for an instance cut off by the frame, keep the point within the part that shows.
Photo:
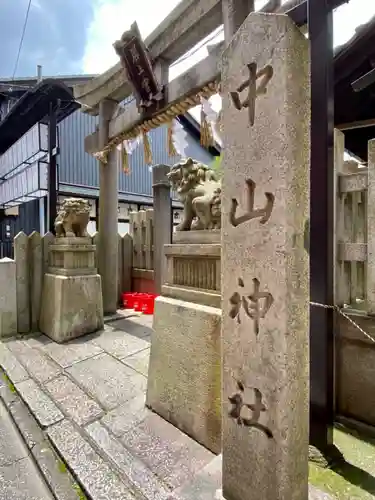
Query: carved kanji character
(237,402)
(236,301)
(134,53)
(266,74)
(256,309)
(263,213)
(255,305)
(146,85)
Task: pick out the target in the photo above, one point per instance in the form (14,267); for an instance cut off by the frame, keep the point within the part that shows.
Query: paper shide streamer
(126,148)
(210,124)
(177,142)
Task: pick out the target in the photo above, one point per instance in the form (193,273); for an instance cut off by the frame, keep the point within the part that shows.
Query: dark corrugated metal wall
(79,168)
(75,165)
(28,218)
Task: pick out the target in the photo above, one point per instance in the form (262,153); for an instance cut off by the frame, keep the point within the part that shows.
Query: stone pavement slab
(123,418)
(38,366)
(37,340)
(100,481)
(73,401)
(19,476)
(168,452)
(75,351)
(20,481)
(26,423)
(138,473)
(120,344)
(138,326)
(12,447)
(107,380)
(204,485)
(139,361)
(11,365)
(182,465)
(41,405)
(55,474)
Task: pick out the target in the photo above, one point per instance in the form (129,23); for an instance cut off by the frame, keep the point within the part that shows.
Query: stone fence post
(36,277)
(8,300)
(162,220)
(370,271)
(340,288)
(21,257)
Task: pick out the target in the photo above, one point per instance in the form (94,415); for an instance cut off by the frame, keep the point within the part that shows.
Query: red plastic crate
(148,305)
(128,300)
(138,301)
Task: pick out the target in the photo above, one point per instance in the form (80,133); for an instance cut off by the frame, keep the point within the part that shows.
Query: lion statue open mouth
(72,219)
(200,192)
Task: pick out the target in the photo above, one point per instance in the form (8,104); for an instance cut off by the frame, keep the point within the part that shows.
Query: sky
(76,36)
(55,36)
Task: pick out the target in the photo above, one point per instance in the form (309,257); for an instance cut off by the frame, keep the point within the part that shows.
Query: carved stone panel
(193,273)
(72,256)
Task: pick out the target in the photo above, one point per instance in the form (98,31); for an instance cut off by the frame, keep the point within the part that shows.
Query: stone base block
(184,380)
(71,306)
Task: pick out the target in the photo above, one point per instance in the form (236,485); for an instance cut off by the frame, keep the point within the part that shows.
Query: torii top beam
(182,29)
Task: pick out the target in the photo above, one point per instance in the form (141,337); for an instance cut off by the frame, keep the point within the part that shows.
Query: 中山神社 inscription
(268,151)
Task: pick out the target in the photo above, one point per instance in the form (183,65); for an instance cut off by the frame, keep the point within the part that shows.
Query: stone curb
(52,467)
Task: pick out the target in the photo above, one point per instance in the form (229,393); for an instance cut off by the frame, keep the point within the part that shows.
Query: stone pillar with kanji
(265,268)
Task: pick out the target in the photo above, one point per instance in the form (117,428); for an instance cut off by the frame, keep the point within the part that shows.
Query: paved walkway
(89,397)
(19,476)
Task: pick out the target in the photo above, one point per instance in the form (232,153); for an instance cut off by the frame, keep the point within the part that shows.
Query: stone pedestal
(265,269)
(8,299)
(72,295)
(184,382)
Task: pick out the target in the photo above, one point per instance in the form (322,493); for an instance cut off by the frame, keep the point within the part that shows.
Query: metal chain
(340,311)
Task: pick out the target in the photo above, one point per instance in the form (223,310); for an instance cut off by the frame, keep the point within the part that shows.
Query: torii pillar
(108,213)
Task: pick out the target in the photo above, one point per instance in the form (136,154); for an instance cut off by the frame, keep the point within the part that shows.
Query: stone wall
(355,368)
(31,257)
(355,229)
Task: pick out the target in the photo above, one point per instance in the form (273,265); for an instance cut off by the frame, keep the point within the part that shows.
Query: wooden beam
(357,124)
(181,30)
(188,83)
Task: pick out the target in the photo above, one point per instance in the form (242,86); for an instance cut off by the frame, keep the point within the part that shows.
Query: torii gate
(185,26)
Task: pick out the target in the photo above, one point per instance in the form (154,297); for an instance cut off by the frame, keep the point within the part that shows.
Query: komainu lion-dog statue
(72,218)
(200,192)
